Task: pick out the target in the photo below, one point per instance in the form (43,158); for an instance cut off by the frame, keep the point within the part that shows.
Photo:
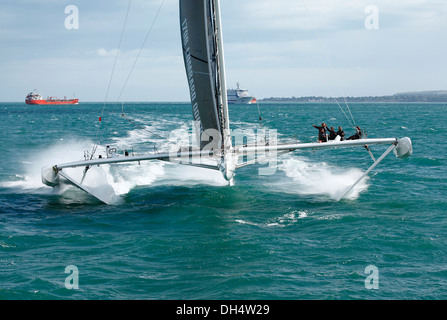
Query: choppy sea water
(179,232)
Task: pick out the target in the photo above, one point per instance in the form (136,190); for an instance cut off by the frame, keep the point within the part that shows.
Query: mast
(221,68)
(203,54)
(229,158)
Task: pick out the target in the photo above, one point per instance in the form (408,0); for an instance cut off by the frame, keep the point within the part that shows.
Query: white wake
(303,177)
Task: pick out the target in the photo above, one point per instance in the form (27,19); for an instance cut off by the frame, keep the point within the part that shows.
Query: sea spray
(307,178)
(120,179)
(31,164)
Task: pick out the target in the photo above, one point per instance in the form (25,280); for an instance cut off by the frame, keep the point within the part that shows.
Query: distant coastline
(417,96)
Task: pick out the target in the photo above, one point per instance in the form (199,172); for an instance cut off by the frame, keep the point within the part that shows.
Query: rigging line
(141,49)
(246,41)
(332,69)
(327,87)
(111,75)
(135,62)
(343,95)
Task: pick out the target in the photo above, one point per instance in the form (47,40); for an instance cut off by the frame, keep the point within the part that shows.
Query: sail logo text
(189,70)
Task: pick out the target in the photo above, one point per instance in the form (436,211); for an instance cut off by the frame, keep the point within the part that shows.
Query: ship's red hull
(71,101)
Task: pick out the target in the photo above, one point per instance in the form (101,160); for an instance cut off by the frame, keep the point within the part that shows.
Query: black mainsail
(203,56)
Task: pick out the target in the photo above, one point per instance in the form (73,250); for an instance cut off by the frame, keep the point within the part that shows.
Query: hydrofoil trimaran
(201,33)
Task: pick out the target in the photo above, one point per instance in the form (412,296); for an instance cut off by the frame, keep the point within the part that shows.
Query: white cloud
(107,53)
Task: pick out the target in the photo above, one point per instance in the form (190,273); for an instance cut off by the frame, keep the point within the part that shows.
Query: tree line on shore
(425,96)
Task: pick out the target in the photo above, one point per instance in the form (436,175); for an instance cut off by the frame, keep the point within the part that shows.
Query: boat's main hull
(242,100)
(41,102)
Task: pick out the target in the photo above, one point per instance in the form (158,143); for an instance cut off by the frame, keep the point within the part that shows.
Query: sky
(273,48)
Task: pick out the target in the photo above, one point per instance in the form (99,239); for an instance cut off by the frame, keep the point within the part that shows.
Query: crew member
(322,132)
(341,133)
(357,135)
(332,133)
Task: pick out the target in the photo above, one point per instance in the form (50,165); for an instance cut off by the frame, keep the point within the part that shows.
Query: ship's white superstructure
(33,96)
(239,96)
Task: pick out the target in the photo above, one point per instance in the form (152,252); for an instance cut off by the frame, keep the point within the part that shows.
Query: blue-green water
(181,233)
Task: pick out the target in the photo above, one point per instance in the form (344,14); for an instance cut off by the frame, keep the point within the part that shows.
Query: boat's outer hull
(241,100)
(39,102)
(49,176)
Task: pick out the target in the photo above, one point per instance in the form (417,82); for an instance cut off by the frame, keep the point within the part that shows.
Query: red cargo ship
(36,98)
